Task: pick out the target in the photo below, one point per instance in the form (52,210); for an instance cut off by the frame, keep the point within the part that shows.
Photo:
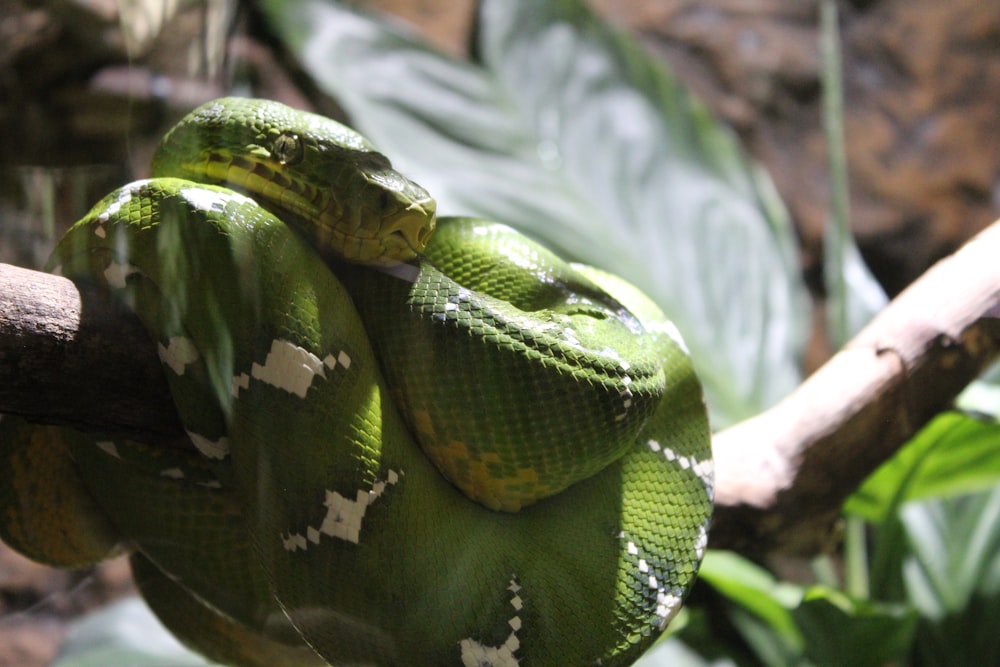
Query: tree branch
(782,476)
(71,356)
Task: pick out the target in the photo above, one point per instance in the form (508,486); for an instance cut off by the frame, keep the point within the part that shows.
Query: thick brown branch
(783,475)
(69,356)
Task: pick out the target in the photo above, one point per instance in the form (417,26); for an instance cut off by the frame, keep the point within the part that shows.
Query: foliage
(934,532)
(567,129)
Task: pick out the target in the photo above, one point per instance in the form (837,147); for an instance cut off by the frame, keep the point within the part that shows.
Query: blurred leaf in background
(125,633)
(951,575)
(954,454)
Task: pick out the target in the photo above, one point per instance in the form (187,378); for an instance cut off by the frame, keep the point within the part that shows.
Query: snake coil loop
(361,396)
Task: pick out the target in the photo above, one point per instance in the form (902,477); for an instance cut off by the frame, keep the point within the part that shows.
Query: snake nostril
(413,230)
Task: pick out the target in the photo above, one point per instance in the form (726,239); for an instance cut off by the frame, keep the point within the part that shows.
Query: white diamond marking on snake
(289,367)
(201,198)
(212,449)
(701,543)
(343,518)
(626,396)
(177,354)
(342,358)
(475,654)
(124,197)
(704,468)
(241,381)
(667,603)
(109,448)
(116,273)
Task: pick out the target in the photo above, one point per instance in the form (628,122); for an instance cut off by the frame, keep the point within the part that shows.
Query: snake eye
(287,149)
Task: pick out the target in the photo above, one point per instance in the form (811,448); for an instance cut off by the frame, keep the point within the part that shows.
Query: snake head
(317,175)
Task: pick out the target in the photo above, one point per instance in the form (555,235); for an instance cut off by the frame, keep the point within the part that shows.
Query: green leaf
(786,625)
(839,630)
(953,454)
(755,590)
(983,395)
(570,131)
(952,576)
(125,633)
(674,653)
(697,641)
(955,551)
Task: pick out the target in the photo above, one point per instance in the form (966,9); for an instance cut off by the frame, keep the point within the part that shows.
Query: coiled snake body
(465,452)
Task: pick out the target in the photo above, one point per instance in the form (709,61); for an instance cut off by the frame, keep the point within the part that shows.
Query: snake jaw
(396,215)
(407,232)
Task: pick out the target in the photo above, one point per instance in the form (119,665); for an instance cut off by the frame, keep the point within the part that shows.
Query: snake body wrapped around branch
(413,441)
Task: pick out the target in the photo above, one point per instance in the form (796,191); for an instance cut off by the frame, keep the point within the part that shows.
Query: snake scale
(412,440)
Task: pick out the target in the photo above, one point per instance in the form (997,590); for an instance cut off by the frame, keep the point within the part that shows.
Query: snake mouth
(410,228)
(370,236)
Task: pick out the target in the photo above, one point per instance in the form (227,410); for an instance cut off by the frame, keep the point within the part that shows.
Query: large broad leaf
(926,542)
(571,132)
(761,606)
(785,624)
(952,576)
(953,454)
(839,630)
(982,397)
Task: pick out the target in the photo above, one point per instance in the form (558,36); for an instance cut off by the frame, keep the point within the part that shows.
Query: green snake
(413,441)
